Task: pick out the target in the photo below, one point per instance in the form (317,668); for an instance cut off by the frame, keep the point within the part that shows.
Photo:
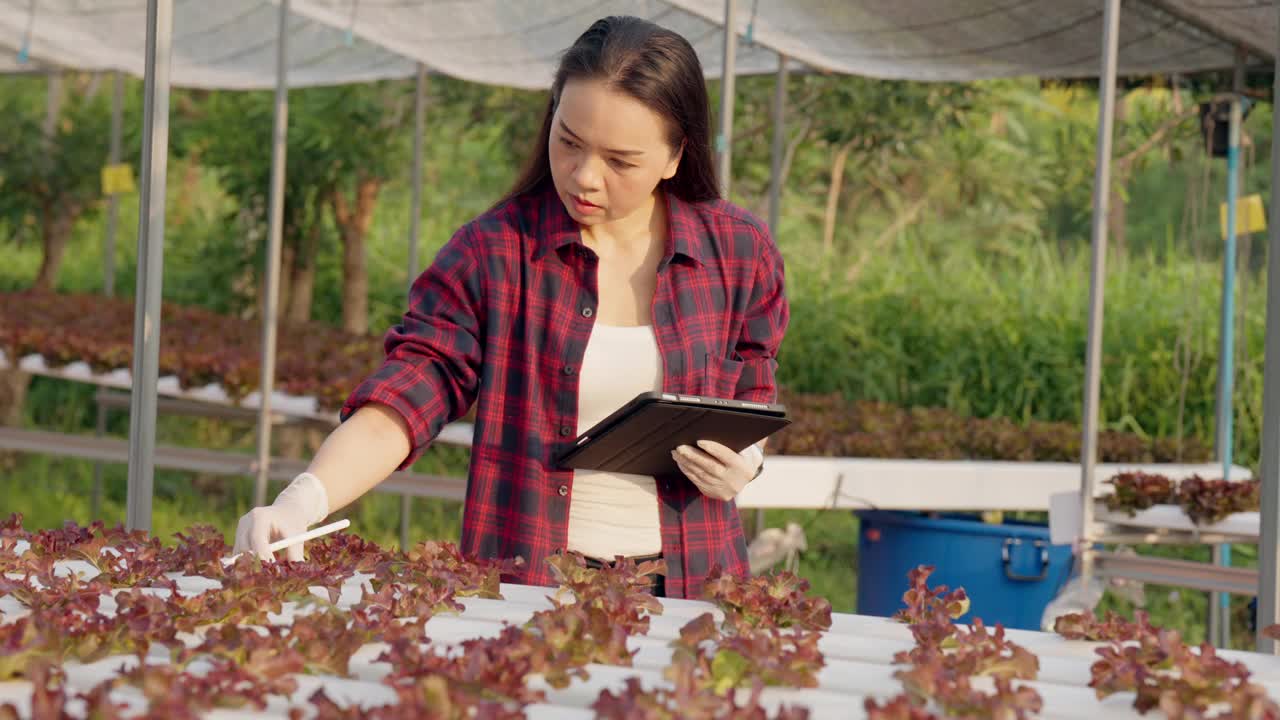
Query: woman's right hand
(264,525)
(303,503)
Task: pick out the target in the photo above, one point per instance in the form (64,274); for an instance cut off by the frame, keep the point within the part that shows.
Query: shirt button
(564,490)
(587,312)
(568,369)
(565,431)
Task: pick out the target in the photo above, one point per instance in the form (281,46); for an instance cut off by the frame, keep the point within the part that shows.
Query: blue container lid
(953,523)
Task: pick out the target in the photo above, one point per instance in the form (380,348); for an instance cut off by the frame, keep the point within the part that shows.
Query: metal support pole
(113,202)
(275,232)
(1097,281)
(109,262)
(724,140)
(779,144)
(1269,463)
(1220,603)
(95,500)
(415,199)
(415,222)
(52,103)
(146,316)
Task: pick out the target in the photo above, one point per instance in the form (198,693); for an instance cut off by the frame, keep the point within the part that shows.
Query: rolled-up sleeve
(764,325)
(431,371)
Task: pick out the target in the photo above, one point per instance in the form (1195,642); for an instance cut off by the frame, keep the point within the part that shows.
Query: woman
(611,269)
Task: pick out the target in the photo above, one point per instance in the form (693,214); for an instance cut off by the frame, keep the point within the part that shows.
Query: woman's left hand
(717,471)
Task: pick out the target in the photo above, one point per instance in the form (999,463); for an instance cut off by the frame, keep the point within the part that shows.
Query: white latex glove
(716,470)
(303,503)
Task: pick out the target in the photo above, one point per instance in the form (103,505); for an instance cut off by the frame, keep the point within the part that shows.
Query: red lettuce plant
(777,600)
(1210,501)
(1138,491)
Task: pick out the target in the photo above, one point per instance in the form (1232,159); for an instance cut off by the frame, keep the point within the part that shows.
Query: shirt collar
(553,227)
(557,229)
(683,230)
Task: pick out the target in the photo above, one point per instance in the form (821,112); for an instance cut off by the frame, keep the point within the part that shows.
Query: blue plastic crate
(1009,570)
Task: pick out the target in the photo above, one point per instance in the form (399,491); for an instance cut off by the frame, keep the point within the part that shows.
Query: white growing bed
(858,651)
(458,433)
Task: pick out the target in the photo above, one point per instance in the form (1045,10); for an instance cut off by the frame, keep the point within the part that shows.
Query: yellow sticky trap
(117,179)
(1250,216)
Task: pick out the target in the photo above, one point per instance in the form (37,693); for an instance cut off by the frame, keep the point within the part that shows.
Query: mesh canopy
(517,43)
(231,43)
(962,41)
(221,44)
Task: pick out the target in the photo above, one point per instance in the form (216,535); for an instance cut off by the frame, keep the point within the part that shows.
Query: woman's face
(608,152)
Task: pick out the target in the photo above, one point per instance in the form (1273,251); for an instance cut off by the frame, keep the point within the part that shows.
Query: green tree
(839,126)
(344,144)
(50,174)
(356,139)
(234,139)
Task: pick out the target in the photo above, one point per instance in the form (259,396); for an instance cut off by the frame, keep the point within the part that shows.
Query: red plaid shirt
(503,314)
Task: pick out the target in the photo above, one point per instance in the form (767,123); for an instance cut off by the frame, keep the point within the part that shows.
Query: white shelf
(791,481)
(457,433)
(1172,518)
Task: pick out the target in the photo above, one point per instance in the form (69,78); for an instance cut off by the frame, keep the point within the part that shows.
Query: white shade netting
(231,43)
(963,41)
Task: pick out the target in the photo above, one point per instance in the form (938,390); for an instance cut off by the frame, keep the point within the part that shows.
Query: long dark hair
(659,68)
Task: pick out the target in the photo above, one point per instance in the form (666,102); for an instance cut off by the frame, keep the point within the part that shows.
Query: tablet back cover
(642,443)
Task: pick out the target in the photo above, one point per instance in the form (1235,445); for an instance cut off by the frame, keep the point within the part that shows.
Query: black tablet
(638,437)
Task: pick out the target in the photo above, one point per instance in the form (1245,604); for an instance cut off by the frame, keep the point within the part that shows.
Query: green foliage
(336,136)
(41,177)
(946,328)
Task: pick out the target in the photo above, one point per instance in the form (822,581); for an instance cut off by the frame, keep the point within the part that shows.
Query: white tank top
(615,513)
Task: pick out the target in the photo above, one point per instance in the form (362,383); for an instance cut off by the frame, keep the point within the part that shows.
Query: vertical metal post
(1220,603)
(275,232)
(415,222)
(52,103)
(406,511)
(1269,464)
(724,139)
(779,144)
(146,316)
(1097,281)
(113,202)
(95,500)
(109,262)
(415,198)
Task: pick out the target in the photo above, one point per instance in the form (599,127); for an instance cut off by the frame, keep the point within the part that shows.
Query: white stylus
(299,538)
